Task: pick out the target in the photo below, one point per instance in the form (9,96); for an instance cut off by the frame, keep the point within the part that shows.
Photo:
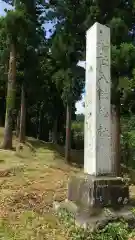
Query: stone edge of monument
(89,192)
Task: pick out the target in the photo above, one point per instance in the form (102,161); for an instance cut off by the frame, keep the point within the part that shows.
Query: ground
(31,178)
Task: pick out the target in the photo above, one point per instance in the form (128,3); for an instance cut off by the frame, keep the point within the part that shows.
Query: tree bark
(39,113)
(18,124)
(22,116)
(54,132)
(68,133)
(118,148)
(10,101)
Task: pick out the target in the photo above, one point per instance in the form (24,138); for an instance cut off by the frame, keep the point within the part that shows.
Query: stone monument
(97,135)
(98,187)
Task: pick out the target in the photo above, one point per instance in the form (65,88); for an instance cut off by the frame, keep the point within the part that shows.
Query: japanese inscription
(97,104)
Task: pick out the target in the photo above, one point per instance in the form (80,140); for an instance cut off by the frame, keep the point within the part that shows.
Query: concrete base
(94,201)
(90,193)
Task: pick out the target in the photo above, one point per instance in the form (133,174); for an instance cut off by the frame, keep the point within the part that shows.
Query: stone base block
(91,194)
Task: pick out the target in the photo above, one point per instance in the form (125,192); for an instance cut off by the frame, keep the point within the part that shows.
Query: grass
(31,178)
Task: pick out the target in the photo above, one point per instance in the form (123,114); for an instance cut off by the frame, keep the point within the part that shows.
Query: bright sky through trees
(3,5)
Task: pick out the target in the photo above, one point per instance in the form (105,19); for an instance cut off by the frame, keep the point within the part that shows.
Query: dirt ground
(31,178)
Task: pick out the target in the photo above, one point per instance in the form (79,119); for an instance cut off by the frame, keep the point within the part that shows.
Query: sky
(3,5)
(79,104)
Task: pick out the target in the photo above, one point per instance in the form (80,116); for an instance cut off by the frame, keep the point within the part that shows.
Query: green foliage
(48,66)
(78,126)
(128,141)
(119,30)
(112,231)
(77,137)
(68,42)
(123,58)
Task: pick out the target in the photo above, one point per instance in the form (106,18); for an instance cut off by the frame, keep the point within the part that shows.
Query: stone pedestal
(95,201)
(90,193)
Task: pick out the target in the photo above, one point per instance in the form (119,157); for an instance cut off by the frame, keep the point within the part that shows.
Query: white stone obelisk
(97,132)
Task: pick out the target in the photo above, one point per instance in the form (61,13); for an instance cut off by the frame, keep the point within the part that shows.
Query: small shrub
(113,231)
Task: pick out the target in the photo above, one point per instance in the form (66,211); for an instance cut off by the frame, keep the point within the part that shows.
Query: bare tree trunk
(118,148)
(22,116)
(10,101)
(39,115)
(115,150)
(54,131)
(68,133)
(18,124)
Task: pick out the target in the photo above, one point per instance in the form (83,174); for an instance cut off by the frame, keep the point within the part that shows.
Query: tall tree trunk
(55,132)
(39,113)
(118,133)
(68,132)
(22,116)
(10,101)
(18,124)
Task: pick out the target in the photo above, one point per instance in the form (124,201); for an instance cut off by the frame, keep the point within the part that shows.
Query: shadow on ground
(77,156)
